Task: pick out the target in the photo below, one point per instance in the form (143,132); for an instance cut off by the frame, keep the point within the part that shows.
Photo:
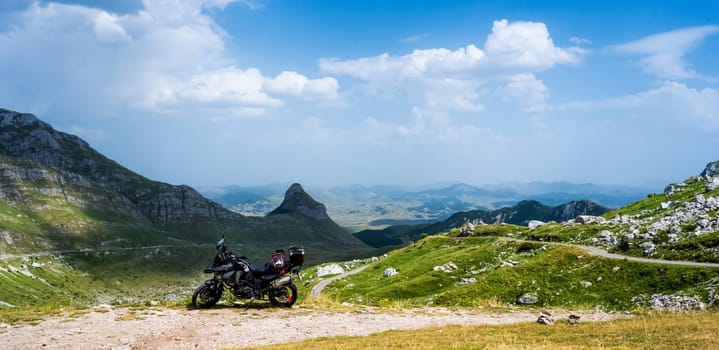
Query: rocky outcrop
(711,170)
(297,201)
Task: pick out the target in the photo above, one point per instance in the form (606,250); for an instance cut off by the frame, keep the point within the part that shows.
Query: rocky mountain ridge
(521,214)
(26,137)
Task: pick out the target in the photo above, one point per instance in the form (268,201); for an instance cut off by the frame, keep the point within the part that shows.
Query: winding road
(316,290)
(605,254)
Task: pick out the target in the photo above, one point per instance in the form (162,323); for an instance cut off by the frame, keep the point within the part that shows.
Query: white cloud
(227,85)
(414,65)
(168,57)
(579,41)
(414,38)
(449,80)
(525,90)
(664,52)
(295,84)
(670,101)
(526,45)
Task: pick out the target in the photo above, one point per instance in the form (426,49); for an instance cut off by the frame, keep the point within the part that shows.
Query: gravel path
(316,290)
(226,327)
(603,253)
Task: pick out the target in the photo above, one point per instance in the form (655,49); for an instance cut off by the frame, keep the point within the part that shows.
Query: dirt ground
(221,327)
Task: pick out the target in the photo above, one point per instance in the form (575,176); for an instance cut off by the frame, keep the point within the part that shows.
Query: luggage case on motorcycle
(297,256)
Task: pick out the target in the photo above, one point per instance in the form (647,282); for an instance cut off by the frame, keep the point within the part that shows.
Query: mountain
(519,214)
(297,201)
(75,197)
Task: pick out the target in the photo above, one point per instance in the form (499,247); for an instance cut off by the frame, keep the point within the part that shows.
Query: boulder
(463,281)
(589,219)
(532,224)
(448,267)
(711,170)
(545,318)
(607,237)
(528,299)
(648,247)
(389,272)
(333,269)
(574,319)
(676,302)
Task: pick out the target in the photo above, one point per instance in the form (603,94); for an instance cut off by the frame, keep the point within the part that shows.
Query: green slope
(502,271)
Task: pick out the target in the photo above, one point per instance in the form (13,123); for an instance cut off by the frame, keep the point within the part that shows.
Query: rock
(585,284)
(532,224)
(374,259)
(574,319)
(389,272)
(463,281)
(448,267)
(607,237)
(333,269)
(648,247)
(616,269)
(545,318)
(467,230)
(711,170)
(628,237)
(589,219)
(712,184)
(666,205)
(528,299)
(676,302)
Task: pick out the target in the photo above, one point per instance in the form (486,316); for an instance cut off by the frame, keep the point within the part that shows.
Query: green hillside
(493,272)
(679,224)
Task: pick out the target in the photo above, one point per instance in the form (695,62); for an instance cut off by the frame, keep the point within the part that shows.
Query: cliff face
(24,136)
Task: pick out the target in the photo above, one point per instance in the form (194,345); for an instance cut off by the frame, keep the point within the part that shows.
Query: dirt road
(227,327)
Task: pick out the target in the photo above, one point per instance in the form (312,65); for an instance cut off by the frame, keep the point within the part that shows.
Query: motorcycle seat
(258,270)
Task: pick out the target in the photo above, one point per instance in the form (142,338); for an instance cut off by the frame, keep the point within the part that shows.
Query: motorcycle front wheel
(205,296)
(284,296)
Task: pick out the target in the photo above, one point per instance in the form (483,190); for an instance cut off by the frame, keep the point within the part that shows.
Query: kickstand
(250,303)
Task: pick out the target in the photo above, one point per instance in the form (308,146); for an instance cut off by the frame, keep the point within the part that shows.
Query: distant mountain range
(361,207)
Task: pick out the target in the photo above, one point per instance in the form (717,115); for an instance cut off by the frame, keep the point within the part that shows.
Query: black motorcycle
(247,281)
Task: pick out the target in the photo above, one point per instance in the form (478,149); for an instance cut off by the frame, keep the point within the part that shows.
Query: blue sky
(216,92)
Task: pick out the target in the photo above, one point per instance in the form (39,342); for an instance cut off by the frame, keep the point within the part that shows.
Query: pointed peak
(297,201)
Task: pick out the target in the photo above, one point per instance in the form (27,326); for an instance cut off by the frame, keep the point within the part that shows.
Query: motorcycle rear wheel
(205,296)
(284,296)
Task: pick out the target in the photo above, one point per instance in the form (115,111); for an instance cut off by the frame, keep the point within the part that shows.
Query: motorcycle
(247,281)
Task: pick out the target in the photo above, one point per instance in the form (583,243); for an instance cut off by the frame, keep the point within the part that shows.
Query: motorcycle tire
(284,296)
(205,296)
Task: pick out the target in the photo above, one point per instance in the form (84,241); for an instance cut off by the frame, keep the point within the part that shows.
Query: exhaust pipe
(280,282)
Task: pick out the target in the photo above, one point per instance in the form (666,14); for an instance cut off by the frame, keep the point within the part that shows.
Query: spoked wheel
(206,296)
(284,296)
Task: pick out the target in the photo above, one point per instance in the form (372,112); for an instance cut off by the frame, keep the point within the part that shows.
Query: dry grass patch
(653,331)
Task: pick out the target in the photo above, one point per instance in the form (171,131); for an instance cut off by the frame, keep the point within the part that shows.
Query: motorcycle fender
(210,283)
